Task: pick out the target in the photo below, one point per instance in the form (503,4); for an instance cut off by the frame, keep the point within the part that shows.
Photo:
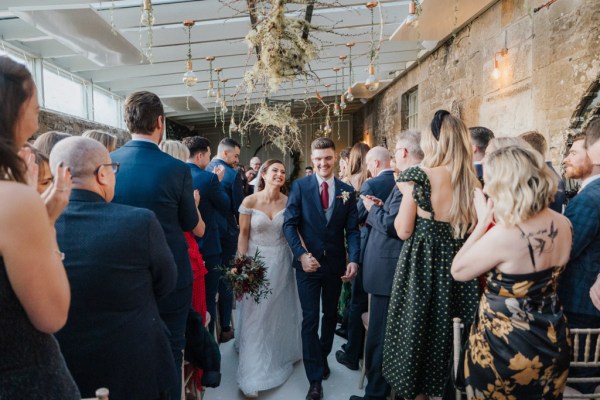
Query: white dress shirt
(588,180)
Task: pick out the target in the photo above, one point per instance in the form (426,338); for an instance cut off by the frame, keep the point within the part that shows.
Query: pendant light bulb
(224,108)
(343,104)
(233,127)
(349,95)
(336,109)
(372,83)
(211,90)
(190,78)
(147,18)
(496,71)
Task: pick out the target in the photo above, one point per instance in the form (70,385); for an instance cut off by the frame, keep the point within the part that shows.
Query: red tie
(325,195)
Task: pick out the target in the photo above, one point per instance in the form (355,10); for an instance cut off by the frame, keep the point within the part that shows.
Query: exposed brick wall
(54,121)
(553,59)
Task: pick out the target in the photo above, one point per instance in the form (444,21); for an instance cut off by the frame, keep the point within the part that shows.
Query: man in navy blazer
(381,257)
(321,214)
(213,201)
(583,269)
(480,138)
(228,158)
(380,186)
(154,180)
(118,264)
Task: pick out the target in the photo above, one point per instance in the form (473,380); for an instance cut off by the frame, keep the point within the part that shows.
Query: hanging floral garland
(278,126)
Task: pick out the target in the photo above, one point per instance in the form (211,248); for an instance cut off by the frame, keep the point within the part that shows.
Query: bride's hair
(260,184)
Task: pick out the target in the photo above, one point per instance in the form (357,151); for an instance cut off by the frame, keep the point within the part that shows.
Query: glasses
(115,167)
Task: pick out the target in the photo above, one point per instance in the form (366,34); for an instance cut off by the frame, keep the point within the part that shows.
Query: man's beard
(577,172)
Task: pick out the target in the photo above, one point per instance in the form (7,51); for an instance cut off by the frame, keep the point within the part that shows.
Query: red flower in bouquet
(248,276)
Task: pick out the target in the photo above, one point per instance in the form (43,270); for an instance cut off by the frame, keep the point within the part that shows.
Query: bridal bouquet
(248,276)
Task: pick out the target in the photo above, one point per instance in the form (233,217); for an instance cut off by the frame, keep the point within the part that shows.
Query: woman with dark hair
(435,215)
(357,171)
(268,334)
(34,291)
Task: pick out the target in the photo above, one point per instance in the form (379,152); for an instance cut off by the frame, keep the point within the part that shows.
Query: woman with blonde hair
(356,170)
(518,347)
(435,216)
(108,140)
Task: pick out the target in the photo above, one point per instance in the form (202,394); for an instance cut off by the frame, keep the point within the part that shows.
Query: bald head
(378,159)
(85,156)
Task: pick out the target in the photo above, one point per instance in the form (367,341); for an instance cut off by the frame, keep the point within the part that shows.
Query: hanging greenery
(278,126)
(284,49)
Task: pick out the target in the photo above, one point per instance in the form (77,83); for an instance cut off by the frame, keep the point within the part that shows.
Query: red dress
(198,287)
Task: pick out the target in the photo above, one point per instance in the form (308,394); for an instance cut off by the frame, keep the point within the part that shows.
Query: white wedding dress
(268,334)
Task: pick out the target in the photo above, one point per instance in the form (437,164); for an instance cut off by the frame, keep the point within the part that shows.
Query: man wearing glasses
(118,264)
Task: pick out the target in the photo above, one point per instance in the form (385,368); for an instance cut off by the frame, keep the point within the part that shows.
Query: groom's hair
(322,143)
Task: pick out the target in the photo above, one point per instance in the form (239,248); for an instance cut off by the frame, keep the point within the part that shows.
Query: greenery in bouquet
(248,277)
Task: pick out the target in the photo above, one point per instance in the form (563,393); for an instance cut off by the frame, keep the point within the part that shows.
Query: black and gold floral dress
(425,298)
(519,345)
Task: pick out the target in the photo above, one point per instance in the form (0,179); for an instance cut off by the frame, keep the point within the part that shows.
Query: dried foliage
(284,54)
(278,126)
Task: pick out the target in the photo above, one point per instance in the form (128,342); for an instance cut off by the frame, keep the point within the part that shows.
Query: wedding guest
(480,137)
(154,180)
(425,298)
(518,345)
(255,164)
(228,158)
(539,143)
(251,180)
(380,260)
(46,141)
(583,269)
(44,175)
(592,142)
(267,356)
(214,201)
(108,140)
(114,336)
(380,186)
(308,171)
(343,164)
(504,141)
(356,173)
(34,290)
(321,228)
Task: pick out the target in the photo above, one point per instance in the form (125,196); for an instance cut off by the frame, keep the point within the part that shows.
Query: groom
(321,210)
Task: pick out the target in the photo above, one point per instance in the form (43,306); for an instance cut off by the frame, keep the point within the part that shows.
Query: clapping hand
(196,197)
(32,168)
(484,207)
(309,263)
(56,197)
(369,201)
(219,170)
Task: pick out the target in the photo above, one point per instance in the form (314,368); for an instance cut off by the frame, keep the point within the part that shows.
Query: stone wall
(54,121)
(553,59)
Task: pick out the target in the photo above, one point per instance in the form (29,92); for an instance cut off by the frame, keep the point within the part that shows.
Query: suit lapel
(316,199)
(338,201)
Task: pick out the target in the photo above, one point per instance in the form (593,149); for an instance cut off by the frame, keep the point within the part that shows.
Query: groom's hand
(309,263)
(351,271)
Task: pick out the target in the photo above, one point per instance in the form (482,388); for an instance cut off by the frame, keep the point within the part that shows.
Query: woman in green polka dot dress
(435,216)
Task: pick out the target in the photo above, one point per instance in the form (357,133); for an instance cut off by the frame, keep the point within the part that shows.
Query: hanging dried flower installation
(284,49)
(277,125)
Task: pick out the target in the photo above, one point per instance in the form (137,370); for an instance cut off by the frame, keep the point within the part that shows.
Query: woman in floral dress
(519,346)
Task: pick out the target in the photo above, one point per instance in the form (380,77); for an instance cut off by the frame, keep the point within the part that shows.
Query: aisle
(340,386)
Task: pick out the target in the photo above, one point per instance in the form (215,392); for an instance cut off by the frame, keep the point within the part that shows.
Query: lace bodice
(265,231)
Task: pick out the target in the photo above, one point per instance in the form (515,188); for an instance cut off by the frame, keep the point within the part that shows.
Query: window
(106,108)
(410,109)
(63,92)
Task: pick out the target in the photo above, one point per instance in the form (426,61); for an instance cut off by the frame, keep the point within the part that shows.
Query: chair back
(589,358)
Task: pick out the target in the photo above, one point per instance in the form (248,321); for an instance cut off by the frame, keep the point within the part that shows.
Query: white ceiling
(69,34)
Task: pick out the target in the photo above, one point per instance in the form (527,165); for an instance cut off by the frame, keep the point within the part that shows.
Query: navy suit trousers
(312,287)
(377,388)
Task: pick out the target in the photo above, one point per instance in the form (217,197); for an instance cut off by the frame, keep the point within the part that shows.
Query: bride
(268,334)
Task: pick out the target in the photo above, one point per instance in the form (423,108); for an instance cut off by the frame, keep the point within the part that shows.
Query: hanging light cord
(189,43)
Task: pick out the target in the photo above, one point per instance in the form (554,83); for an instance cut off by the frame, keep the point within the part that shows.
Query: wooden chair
(101,394)
(457,329)
(589,337)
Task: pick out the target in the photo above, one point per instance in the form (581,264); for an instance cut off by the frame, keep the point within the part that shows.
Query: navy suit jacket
(118,264)
(149,178)
(213,201)
(383,246)
(234,189)
(561,197)
(304,217)
(582,270)
(380,186)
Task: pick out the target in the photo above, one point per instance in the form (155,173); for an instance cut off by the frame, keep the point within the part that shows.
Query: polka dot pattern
(425,298)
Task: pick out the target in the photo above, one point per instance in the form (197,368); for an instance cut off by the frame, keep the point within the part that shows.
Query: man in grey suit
(379,265)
